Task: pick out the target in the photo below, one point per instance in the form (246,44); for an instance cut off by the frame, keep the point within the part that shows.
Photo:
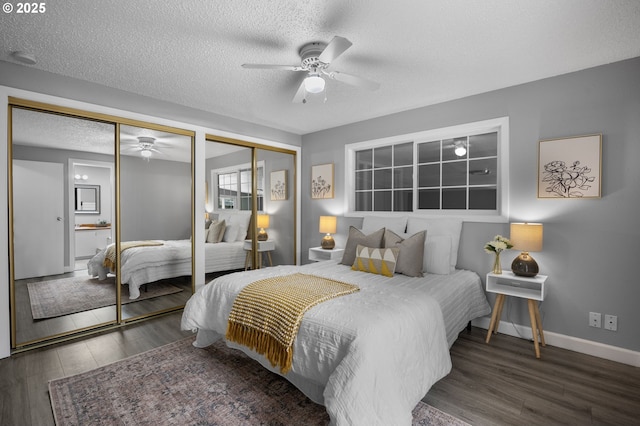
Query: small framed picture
(278,185)
(570,167)
(322,181)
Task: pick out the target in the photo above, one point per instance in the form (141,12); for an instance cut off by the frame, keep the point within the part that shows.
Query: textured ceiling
(421,52)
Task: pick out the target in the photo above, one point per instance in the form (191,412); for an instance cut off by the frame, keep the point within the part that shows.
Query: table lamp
(328,227)
(263,222)
(526,237)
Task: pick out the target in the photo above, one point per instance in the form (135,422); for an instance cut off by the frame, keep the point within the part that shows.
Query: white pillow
(439,227)
(231,234)
(238,220)
(437,255)
(371,224)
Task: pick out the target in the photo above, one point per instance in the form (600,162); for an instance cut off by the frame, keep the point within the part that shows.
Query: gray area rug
(77,294)
(178,384)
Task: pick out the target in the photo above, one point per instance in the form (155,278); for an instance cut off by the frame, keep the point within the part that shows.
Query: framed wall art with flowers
(278,185)
(570,167)
(322,181)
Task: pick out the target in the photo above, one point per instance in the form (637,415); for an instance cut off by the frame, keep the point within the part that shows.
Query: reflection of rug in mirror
(82,293)
(183,385)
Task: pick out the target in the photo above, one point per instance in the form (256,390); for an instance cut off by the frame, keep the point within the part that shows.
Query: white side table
(530,288)
(264,247)
(317,254)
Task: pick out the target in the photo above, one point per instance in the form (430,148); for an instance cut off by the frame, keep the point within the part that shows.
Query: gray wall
(590,246)
(155,199)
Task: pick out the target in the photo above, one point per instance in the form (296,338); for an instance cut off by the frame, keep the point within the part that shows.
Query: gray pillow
(358,237)
(410,257)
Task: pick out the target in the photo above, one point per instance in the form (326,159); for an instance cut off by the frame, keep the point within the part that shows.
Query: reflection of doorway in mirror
(91,231)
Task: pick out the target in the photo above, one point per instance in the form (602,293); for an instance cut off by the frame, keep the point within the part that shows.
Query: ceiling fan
(145,145)
(316,57)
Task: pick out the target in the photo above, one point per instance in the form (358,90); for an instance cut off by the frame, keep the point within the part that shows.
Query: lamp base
(262,235)
(328,243)
(524,265)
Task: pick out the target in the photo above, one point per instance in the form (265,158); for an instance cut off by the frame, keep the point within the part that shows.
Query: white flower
(498,244)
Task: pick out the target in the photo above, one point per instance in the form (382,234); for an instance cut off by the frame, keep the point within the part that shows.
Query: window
(234,187)
(461,169)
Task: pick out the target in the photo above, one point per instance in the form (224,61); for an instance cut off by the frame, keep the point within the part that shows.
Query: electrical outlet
(611,322)
(595,319)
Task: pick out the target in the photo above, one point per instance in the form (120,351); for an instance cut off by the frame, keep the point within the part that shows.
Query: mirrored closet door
(55,159)
(101,220)
(278,208)
(156,248)
(250,207)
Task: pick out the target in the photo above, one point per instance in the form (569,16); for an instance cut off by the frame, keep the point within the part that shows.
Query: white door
(38,218)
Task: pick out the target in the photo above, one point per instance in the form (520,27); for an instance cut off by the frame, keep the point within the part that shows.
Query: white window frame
(233,169)
(499,125)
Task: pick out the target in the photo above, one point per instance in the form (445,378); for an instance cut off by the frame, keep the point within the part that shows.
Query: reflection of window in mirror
(87,199)
(234,187)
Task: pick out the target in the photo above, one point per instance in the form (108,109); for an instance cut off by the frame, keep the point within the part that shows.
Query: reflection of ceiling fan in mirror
(146,146)
(156,144)
(316,57)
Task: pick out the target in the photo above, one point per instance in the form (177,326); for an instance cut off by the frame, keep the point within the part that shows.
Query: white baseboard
(600,350)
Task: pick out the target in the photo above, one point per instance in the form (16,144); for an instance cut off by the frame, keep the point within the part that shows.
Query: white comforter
(369,357)
(145,264)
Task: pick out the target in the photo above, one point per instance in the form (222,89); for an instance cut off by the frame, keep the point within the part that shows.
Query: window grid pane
(455,173)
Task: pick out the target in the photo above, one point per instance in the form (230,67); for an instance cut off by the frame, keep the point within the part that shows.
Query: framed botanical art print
(570,167)
(278,185)
(322,181)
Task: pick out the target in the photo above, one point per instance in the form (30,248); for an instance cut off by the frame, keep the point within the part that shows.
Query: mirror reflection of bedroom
(65,222)
(155,221)
(52,155)
(229,227)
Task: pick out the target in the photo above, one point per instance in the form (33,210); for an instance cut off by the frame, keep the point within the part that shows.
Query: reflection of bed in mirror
(149,261)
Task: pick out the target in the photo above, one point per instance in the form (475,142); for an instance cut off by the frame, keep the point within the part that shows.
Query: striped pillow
(381,261)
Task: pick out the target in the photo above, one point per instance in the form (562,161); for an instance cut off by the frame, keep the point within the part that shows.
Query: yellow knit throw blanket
(110,253)
(266,314)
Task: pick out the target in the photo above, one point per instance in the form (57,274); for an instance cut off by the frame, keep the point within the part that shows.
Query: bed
(150,262)
(147,264)
(371,356)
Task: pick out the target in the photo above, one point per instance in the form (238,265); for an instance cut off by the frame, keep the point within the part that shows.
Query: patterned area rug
(178,384)
(76,294)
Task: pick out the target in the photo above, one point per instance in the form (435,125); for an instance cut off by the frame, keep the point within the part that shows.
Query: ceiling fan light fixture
(460,149)
(314,84)
(146,153)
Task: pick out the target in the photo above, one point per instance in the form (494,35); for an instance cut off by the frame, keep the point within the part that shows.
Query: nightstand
(263,247)
(317,254)
(530,288)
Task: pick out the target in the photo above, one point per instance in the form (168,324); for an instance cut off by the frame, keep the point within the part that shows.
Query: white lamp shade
(263,221)
(145,153)
(314,84)
(526,236)
(328,224)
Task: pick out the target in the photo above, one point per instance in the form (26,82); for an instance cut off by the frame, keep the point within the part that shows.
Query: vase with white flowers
(496,246)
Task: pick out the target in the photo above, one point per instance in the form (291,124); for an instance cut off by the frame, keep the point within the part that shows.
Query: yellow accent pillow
(381,261)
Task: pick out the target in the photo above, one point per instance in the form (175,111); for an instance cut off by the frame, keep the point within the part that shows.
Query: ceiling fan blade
(272,67)
(300,96)
(335,48)
(353,80)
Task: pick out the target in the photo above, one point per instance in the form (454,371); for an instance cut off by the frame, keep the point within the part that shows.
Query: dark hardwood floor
(502,383)
(497,384)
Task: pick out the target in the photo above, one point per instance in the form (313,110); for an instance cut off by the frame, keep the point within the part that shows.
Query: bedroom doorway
(39,249)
